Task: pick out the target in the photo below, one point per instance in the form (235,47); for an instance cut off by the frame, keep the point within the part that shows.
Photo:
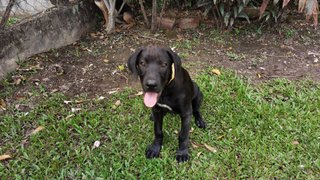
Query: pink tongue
(150,99)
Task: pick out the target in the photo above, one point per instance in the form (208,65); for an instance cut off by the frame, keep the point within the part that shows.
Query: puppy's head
(156,67)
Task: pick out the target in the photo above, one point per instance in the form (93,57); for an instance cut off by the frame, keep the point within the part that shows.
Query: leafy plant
(227,11)
(12,20)
(310,8)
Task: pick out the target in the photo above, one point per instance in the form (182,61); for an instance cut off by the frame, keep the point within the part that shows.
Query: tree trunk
(154,16)
(6,14)
(144,13)
(111,6)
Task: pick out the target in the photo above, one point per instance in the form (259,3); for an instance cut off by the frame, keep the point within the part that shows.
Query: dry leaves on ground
(209,148)
(3,104)
(4,157)
(216,72)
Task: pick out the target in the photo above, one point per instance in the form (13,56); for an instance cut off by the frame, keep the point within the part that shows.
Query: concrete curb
(53,28)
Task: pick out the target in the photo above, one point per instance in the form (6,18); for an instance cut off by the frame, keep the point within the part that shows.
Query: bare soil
(96,65)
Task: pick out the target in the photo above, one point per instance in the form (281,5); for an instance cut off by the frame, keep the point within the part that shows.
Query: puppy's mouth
(151,98)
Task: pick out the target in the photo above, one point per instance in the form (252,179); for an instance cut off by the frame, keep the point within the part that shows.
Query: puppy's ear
(175,58)
(133,60)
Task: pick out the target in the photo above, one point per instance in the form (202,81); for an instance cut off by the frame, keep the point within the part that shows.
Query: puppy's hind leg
(196,103)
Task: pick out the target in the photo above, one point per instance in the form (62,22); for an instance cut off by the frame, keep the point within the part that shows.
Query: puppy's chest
(168,104)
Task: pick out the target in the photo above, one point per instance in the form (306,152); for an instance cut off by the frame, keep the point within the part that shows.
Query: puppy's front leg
(183,152)
(153,150)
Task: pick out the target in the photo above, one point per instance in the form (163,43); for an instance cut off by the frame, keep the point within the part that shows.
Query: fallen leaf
(54,91)
(2,104)
(105,60)
(212,149)
(93,35)
(220,137)
(38,129)
(25,142)
(5,157)
(259,76)
(67,102)
(216,71)
(112,92)
(69,116)
(139,93)
(79,101)
(36,82)
(118,102)
(96,144)
(87,49)
(31,68)
(101,98)
(194,145)
(57,68)
(199,153)
(36,67)
(75,109)
(121,67)
(22,107)
(295,142)
(18,79)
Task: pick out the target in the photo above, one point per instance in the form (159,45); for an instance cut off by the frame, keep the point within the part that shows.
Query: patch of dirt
(96,65)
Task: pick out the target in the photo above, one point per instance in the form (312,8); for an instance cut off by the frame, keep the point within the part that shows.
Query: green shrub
(227,11)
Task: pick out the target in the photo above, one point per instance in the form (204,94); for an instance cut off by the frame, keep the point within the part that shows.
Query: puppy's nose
(151,83)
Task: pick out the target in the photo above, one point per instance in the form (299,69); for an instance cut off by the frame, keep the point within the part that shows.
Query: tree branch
(154,16)
(6,14)
(144,13)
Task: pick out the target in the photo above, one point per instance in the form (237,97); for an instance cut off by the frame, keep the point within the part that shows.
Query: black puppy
(167,88)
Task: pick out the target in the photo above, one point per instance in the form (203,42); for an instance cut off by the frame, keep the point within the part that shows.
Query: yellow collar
(172,73)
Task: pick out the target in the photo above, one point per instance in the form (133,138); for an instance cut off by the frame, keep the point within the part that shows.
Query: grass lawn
(269,130)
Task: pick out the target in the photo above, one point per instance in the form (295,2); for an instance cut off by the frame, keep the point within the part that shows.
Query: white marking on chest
(165,106)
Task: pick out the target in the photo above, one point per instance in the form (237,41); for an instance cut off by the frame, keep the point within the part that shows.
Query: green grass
(252,128)
(235,56)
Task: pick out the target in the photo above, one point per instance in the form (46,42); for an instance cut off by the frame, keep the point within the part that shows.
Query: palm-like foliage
(229,10)
(309,7)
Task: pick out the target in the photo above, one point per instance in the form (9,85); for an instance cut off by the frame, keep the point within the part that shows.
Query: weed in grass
(12,20)
(289,33)
(235,56)
(257,60)
(77,52)
(267,131)
(217,37)
(184,44)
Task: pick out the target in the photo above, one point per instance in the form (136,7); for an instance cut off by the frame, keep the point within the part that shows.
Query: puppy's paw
(153,151)
(201,123)
(182,156)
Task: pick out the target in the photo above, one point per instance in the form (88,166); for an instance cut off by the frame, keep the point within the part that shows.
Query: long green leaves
(309,7)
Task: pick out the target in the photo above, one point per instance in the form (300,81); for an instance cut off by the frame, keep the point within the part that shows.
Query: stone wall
(26,7)
(54,28)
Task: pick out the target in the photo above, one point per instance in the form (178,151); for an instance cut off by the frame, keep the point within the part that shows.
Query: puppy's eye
(164,64)
(142,63)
